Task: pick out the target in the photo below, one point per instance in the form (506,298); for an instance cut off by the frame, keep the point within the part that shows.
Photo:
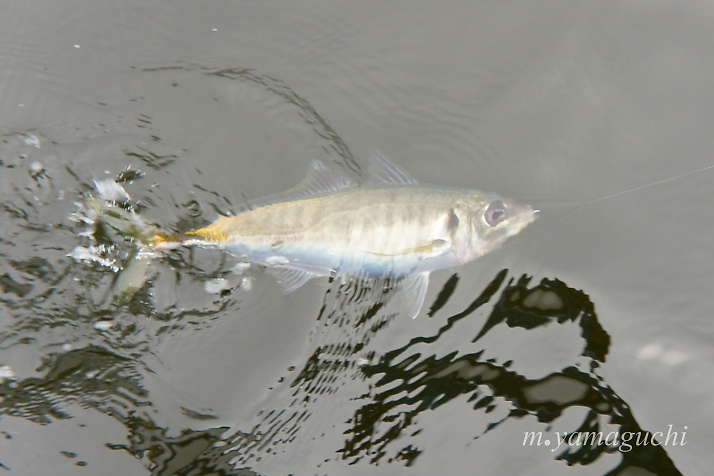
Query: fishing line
(649,185)
(617,194)
(623,192)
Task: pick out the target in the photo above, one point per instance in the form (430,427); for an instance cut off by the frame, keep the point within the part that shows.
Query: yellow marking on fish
(219,231)
(419,249)
(210,233)
(161,238)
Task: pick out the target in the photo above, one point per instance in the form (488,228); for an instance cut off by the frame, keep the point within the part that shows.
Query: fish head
(480,222)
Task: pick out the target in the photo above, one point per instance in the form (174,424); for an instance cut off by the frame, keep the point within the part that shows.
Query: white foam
(109,190)
(215,286)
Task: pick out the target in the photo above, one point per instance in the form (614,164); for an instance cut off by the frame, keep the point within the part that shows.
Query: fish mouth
(524,217)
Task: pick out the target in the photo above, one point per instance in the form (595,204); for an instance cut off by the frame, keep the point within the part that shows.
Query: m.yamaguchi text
(623,441)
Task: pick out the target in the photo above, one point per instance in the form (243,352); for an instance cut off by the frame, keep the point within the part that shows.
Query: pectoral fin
(414,291)
(290,279)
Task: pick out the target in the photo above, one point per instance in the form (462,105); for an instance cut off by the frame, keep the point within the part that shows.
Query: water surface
(597,317)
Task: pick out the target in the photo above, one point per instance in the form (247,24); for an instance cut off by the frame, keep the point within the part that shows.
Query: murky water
(595,319)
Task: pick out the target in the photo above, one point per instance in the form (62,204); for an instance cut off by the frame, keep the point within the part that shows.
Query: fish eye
(495,213)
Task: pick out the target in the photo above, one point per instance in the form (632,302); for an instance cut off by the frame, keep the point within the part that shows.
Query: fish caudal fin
(127,223)
(131,225)
(149,238)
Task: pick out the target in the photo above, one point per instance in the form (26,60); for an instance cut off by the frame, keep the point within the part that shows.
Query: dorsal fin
(319,179)
(383,171)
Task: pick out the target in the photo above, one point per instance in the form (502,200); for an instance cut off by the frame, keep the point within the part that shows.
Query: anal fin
(414,291)
(290,279)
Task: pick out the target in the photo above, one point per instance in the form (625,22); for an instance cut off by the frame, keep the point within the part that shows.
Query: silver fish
(391,226)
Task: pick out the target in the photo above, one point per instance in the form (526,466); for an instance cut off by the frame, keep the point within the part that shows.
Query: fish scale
(390,227)
(354,222)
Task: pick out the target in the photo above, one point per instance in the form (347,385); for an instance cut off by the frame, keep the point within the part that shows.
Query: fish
(391,226)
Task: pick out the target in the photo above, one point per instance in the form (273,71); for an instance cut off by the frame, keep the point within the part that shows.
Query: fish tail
(132,226)
(126,222)
(162,241)
(132,274)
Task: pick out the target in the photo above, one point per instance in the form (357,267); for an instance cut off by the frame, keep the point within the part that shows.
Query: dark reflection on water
(333,141)
(399,386)
(49,300)
(92,376)
(425,383)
